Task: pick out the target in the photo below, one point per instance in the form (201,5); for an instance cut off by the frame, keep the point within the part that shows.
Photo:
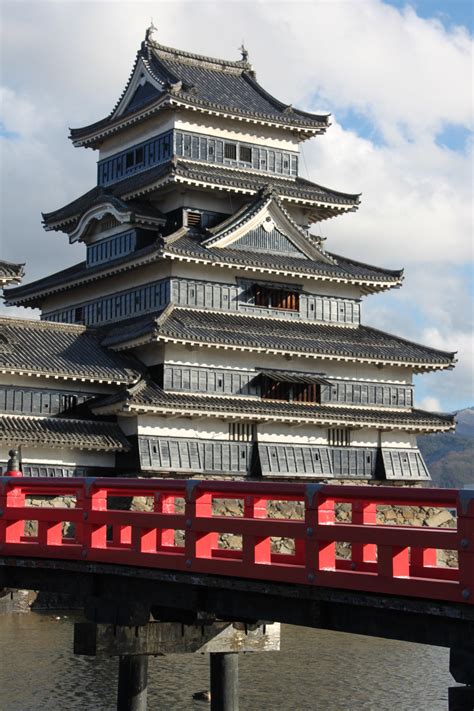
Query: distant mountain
(450,455)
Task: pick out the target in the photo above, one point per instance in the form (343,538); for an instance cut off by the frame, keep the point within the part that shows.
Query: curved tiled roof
(60,350)
(63,433)
(179,170)
(204,83)
(149,396)
(9,271)
(250,332)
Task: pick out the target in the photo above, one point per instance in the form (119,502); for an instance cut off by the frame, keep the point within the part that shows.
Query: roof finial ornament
(150,30)
(244,53)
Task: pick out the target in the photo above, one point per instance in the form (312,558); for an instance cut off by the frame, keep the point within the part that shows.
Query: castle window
(241,432)
(289,388)
(230,151)
(245,154)
(339,437)
(269,297)
(193,219)
(79,314)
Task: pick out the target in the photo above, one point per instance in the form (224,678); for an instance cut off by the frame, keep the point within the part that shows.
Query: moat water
(315,671)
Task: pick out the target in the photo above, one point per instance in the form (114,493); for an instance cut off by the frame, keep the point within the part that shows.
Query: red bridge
(172,556)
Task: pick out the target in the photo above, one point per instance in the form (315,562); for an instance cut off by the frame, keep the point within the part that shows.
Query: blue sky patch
(450,14)
(454,137)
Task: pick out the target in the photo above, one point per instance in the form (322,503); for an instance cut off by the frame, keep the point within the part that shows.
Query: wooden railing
(182,531)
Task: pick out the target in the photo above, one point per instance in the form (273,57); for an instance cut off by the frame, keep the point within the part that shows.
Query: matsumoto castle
(208,331)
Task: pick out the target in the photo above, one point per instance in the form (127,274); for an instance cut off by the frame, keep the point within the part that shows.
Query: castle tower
(251,358)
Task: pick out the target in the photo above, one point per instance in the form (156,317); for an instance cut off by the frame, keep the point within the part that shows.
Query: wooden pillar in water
(224,681)
(132,682)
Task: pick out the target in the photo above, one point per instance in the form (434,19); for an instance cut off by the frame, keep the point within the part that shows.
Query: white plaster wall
(198,123)
(60,457)
(229,275)
(55,384)
(153,425)
(286,434)
(365,437)
(236,130)
(128,425)
(207,199)
(220,358)
(108,285)
(398,439)
(159,123)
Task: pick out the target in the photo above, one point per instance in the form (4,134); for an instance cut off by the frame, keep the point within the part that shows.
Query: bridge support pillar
(224,681)
(132,682)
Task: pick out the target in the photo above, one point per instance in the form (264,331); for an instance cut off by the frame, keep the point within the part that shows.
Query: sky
(396,77)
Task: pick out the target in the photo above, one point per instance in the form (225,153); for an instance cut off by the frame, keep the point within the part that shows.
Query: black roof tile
(228,177)
(9,271)
(63,350)
(206,83)
(150,395)
(16,430)
(259,332)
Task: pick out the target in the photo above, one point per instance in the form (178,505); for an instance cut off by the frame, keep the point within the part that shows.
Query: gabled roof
(323,202)
(148,397)
(164,77)
(268,217)
(10,272)
(76,216)
(191,326)
(62,433)
(40,348)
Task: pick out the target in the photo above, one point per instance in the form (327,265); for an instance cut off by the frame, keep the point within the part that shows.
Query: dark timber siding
(207,380)
(294,460)
(404,464)
(203,294)
(273,241)
(194,455)
(356,393)
(27,401)
(240,382)
(209,149)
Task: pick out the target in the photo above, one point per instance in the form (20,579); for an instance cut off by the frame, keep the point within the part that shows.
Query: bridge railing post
(94,535)
(365,513)
(465,512)
(255,549)
(11,496)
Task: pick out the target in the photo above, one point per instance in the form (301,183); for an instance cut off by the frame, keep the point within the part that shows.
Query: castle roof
(40,348)
(324,202)
(10,272)
(167,78)
(186,246)
(62,433)
(148,397)
(271,335)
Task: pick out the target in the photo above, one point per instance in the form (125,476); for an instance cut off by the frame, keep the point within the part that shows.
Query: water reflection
(316,671)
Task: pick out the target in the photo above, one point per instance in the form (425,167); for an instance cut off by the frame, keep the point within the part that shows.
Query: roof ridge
(181,53)
(45,325)
(365,264)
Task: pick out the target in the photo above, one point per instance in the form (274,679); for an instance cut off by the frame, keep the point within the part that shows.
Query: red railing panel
(182,531)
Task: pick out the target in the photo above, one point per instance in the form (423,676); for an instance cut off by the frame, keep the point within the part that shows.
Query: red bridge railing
(183,532)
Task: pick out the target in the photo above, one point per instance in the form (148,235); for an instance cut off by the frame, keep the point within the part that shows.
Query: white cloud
(431,404)
(65,64)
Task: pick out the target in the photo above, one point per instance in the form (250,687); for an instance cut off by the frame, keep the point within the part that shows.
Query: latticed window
(241,432)
(339,437)
(276,298)
(290,392)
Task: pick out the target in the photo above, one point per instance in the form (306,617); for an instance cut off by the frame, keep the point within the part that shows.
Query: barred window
(241,432)
(230,151)
(245,154)
(339,437)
